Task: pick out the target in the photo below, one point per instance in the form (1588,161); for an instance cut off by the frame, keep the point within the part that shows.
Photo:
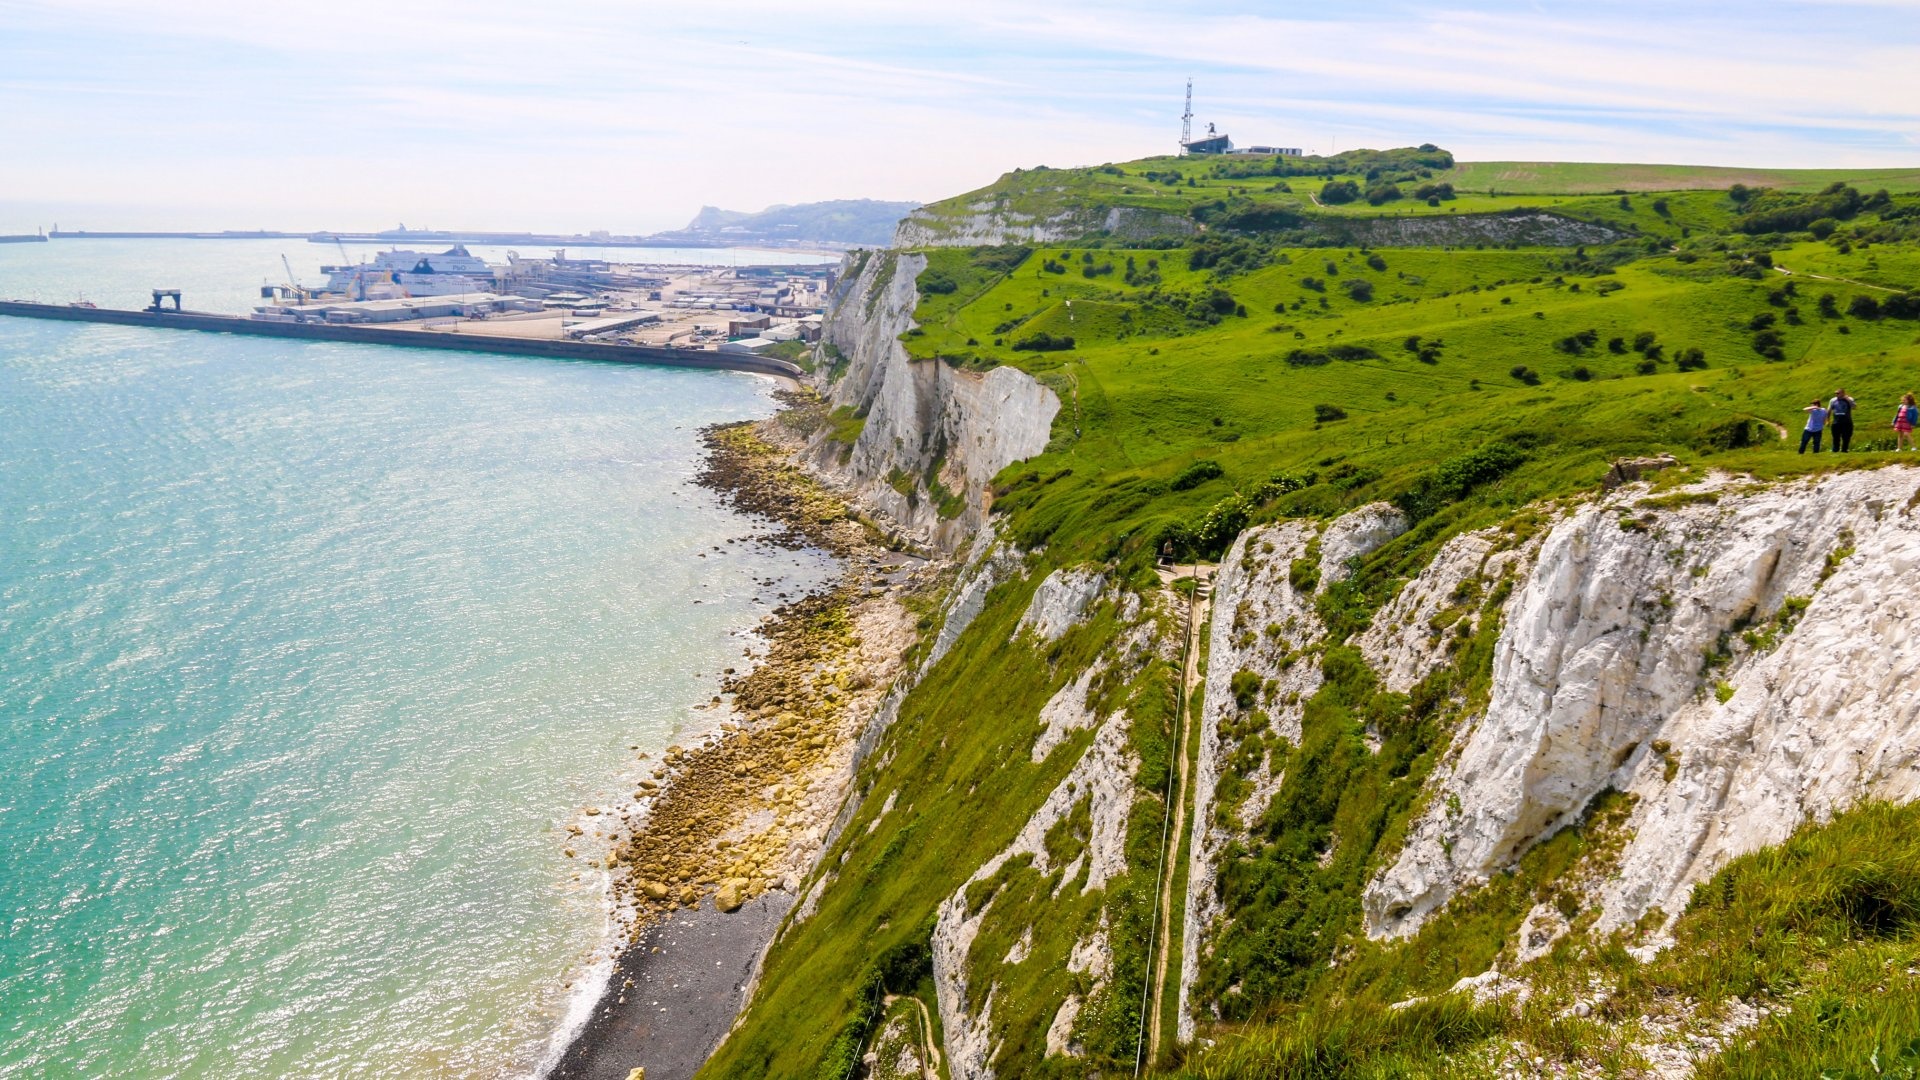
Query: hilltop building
(1213,142)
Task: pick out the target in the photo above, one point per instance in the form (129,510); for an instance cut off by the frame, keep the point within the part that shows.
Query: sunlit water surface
(308,653)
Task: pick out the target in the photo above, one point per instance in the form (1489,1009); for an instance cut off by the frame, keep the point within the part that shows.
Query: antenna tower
(1186,120)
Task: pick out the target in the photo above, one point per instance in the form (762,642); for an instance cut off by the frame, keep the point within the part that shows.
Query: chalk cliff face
(924,422)
(1736,658)
(1741,664)
(994,220)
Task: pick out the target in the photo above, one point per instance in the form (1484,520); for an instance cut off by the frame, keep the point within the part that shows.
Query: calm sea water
(308,652)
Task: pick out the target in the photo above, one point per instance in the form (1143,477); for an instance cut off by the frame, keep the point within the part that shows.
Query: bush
(1578,344)
(1313,284)
(1690,359)
(1325,414)
(937,283)
(1004,258)
(1821,228)
(1245,686)
(1383,193)
(1525,374)
(1043,342)
(1864,307)
(1458,477)
(1196,474)
(1339,192)
(1358,289)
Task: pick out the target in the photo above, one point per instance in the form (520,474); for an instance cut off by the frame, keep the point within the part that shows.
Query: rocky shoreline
(705,859)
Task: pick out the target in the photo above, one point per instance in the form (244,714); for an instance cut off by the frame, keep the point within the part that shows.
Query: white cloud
(630,117)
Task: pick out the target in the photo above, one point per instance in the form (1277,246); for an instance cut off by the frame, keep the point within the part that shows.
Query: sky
(629,115)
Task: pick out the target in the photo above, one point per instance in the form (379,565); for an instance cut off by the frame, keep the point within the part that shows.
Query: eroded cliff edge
(918,441)
(1679,676)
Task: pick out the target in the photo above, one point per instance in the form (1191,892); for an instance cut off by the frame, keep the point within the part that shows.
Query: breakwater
(466,341)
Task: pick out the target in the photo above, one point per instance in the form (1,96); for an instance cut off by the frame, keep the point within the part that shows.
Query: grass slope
(1293,192)
(1594,178)
(1277,380)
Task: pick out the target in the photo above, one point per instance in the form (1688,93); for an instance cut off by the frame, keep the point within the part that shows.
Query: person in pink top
(1905,419)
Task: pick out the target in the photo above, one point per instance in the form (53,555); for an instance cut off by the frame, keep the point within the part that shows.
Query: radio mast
(1186,120)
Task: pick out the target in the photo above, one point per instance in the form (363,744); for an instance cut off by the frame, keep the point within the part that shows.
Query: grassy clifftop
(1257,372)
(1309,196)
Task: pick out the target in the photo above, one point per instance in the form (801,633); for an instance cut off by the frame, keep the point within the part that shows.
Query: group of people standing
(1837,416)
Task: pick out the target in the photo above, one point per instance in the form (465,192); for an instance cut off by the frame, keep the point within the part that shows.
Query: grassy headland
(1245,364)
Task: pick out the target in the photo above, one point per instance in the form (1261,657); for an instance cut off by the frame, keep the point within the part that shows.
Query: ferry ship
(395,274)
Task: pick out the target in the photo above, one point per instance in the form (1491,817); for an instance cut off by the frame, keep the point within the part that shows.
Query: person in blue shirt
(1816,425)
(1840,420)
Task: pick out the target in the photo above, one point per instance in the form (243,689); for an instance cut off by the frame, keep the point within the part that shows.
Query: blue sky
(630,116)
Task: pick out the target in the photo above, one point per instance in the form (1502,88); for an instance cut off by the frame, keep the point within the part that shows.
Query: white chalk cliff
(1606,675)
(924,420)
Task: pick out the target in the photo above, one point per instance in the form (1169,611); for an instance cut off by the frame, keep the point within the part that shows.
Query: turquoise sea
(308,654)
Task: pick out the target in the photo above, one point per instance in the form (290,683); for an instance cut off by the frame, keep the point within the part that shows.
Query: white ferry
(395,274)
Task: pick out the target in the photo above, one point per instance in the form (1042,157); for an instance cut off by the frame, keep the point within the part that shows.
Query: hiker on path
(1905,419)
(1840,420)
(1816,425)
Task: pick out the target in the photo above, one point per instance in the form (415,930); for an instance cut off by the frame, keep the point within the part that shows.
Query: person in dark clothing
(1816,425)
(1840,420)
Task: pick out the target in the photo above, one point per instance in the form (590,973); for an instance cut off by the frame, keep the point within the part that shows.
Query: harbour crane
(293,285)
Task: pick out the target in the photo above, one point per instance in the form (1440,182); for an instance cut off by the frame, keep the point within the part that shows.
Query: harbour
(461,340)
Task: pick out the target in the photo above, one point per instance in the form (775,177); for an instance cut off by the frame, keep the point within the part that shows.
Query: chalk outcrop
(1740,660)
(1104,779)
(996,219)
(1260,622)
(1062,598)
(925,423)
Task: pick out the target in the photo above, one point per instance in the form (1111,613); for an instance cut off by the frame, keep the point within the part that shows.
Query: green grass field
(1158,390)
(1594,178)
(1357,375)
(1693,196)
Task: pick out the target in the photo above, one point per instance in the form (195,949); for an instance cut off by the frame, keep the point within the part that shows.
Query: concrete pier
(465,341)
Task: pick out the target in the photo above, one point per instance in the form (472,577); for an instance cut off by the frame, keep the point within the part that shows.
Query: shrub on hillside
(1381,194)
(1326,414)
(1002,259)
(1780,212)
(1458,477)
(1339,192)
(1043,342)
(1358,289)
(1196,474)
(1525,374)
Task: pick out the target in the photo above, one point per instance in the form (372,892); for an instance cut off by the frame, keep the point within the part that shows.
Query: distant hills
(858,222)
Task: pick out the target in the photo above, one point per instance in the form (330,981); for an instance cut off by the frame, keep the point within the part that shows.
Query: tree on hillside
(1339,192)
